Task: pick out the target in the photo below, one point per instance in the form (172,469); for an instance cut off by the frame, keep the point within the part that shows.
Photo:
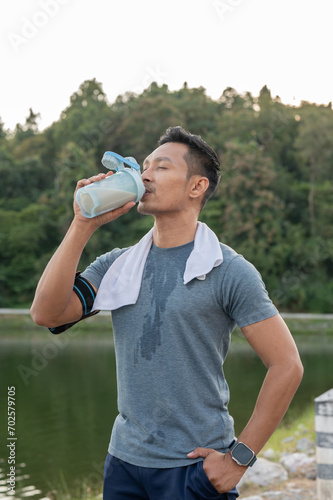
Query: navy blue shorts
(123,481)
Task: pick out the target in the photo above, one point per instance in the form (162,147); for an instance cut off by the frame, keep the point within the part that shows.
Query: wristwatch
(242,454)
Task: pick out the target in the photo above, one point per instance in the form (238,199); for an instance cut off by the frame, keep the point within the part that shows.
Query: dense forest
(273,205)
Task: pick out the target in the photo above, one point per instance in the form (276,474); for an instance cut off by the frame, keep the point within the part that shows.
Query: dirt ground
(292,489)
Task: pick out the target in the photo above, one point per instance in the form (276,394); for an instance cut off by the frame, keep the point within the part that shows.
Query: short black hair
(201,159)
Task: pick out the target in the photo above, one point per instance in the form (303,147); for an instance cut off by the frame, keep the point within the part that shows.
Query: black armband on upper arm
(85,292)
(86,295)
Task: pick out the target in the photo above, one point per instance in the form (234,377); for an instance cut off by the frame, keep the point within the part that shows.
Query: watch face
(242,453)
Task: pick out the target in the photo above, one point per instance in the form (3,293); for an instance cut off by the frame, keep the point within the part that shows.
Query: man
(175,298)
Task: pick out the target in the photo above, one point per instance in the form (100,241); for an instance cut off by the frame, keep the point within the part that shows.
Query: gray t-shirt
(170,347)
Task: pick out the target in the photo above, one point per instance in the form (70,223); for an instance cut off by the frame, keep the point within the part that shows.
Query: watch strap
(254,459)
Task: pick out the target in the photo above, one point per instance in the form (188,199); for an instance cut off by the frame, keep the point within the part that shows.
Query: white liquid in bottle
(106,200)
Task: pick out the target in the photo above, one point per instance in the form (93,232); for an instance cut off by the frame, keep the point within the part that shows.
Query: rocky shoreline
(289,476)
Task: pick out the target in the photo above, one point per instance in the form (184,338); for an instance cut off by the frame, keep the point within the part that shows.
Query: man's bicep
(271,340)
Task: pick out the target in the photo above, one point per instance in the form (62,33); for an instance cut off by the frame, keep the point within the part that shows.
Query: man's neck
(170,233)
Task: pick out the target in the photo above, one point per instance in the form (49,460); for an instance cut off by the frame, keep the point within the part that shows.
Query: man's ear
(199,186)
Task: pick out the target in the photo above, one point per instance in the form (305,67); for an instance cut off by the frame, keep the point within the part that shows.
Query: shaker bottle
(114,191)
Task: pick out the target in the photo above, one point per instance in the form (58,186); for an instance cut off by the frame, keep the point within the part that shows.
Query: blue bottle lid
(114,161)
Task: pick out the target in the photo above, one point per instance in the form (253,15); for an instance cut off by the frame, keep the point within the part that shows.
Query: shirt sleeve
(245,297)
(94,273)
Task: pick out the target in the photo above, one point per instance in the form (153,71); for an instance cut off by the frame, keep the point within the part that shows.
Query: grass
(83,492)
(310,327)
(284,439)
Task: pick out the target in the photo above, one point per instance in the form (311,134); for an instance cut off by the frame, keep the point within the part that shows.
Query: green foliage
(274,203)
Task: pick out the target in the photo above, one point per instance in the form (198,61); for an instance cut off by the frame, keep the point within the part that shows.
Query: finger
(85,182)
(125,208)
(114,214)
(81,183)
(200,452)
(96,177)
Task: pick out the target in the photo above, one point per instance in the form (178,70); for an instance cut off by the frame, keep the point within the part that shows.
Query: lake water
(65,395)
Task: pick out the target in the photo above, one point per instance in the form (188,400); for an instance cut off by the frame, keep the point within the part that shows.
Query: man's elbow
(52,319)
(41,318)
(297,370)
(38,317)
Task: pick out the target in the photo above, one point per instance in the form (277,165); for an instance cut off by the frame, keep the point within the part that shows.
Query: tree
(31,121)
(3,133)
(315,149)
(85,120)
(142,121)
(235,121)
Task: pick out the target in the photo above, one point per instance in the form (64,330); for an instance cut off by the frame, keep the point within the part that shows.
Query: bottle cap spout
(114,161)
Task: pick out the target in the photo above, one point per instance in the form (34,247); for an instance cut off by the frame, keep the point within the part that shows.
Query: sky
(49,47)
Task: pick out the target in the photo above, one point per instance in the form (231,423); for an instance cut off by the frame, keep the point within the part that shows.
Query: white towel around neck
(121,284)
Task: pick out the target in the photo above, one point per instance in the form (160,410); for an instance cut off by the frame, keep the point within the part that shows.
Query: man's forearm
(55,286)
(278,389)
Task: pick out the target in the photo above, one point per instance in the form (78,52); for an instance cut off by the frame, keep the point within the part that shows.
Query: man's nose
(146,175)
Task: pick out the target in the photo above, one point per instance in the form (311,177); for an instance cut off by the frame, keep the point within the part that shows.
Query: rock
(311,472)
(289,439)
(298,463)
(301,429)
(264,473)
(269,454)
(253,497)
(305,445)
